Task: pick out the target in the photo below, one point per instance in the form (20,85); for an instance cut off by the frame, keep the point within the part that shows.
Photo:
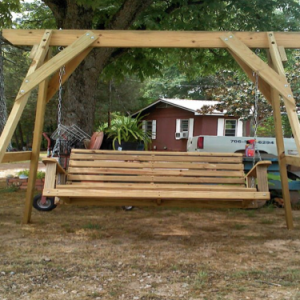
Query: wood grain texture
(20,103)
(145,39)
(16,156)
(106,177)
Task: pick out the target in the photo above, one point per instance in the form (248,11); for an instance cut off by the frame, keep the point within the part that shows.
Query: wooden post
(276,63)
(275,82)
(281,160)
(36,145)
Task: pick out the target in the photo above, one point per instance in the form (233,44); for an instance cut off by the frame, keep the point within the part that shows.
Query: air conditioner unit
(178,135)
(182,135)
(185,134)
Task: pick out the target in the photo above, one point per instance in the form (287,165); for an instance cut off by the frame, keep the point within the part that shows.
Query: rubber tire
(49,205)
(128,208)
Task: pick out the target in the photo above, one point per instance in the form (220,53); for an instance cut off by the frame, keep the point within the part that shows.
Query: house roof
(189,105)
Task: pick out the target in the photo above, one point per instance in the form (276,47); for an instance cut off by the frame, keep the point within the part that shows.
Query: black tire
(128,208)
(48,206)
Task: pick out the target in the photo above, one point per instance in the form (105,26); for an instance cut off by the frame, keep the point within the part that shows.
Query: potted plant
(126,133)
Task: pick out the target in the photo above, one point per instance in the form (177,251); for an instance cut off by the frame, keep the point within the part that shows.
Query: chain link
(256,114)
(59,110)
(256,99)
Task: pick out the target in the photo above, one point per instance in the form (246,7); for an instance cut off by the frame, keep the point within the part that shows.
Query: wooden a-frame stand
(272,80)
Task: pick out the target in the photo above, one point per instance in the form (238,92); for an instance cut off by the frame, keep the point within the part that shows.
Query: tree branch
(58,8)
(128,13)
(176,6)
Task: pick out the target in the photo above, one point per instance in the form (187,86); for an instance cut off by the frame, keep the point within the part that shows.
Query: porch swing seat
(150,178)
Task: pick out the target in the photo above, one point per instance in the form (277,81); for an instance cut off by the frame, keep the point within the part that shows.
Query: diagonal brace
(262,85)
(31,81)
(69,69)
(258,66)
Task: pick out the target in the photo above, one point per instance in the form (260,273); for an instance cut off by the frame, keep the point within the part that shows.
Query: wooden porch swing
(153,178)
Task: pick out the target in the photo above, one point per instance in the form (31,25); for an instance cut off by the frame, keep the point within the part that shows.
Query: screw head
(26,80)
(226,39)
(286,85)
(92,37)
(87,34)
(289,96)
(231,36)
(22,91)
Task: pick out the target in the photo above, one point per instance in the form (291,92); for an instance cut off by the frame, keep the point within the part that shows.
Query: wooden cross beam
(152,39)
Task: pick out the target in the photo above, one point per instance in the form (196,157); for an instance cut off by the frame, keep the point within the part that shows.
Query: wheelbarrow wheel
(41,205)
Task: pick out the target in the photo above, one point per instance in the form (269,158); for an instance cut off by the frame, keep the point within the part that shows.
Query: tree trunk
(21,135)
(79,98)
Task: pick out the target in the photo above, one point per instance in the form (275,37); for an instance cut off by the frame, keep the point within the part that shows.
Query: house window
(184,128)
(230,127)
(184,125)
(150,127)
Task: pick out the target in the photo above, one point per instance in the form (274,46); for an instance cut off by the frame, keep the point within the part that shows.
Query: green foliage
(267,127)
(9,189)
(178,73)
(35,15)
(40,175)
(126,129)
(6,9)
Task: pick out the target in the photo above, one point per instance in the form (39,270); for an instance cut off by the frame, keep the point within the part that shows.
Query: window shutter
(177,128)
(153,129)
(191,127)
(240,128)
(144,126)
(220,130)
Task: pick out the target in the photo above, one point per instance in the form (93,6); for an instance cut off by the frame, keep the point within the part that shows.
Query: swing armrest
(59,168)
(259,171)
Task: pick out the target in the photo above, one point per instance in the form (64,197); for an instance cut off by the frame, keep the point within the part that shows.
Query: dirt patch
(147,254)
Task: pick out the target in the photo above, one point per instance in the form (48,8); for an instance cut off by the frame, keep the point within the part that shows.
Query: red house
(173,121)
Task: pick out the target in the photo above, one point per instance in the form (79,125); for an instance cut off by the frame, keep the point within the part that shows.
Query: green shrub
(40,175)
(23,172)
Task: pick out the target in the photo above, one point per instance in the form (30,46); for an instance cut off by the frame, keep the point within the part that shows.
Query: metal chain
(256,115)
(256,99)
(59,109)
